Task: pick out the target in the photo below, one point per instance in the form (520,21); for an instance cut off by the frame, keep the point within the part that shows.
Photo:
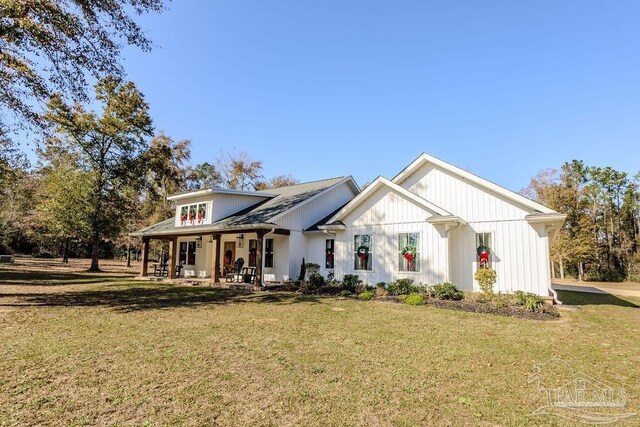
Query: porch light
(199,241)
(240,240)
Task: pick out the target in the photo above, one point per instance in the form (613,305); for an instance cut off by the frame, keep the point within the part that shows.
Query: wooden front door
(229,254)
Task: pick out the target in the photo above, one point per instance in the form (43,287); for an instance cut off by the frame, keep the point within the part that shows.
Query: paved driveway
(629,289)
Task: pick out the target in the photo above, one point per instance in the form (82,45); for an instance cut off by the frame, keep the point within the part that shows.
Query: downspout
(262,283)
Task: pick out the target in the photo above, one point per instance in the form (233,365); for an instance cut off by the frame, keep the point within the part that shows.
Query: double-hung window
(328,253)
(409,252)
(363,252)
(268,253)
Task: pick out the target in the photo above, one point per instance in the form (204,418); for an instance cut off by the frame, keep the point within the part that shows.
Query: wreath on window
(253,251)
(409,253)
(363,254)
(483,252)
(200,213)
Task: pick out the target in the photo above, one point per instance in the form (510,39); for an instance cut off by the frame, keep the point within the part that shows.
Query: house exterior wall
(460,197)
(519,256)
(219,206)
(316,209)
(384,215)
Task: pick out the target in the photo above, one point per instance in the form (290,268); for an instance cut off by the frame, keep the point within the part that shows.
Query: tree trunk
(580,272)
(561,269)
(65,251)
(95,253)
(128,255)
(553,270)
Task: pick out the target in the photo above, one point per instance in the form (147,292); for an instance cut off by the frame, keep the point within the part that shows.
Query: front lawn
(116,352)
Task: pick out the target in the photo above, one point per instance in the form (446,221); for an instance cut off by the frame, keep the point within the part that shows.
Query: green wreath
(483,248)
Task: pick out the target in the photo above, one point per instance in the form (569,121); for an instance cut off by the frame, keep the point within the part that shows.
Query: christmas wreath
(483,252)
(200,213)
(363,253)
(409,253)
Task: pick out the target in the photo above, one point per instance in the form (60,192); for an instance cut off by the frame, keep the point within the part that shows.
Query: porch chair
(235,275)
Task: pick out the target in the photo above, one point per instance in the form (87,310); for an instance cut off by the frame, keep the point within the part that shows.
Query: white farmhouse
(433,223)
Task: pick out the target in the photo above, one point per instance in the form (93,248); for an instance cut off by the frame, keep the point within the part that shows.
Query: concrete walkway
(629,289)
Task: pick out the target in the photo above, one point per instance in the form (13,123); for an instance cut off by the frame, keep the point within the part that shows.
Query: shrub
(345,293)
(414,299)
(349,282)
(447,291)
(316,281)
(311,269)
(366,295)
(403,287)
(529,301)
(381,289)
(486,279)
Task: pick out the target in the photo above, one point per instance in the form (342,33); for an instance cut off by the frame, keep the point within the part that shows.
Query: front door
(229,254)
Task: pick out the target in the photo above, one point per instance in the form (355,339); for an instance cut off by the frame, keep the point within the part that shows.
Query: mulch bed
(475,306)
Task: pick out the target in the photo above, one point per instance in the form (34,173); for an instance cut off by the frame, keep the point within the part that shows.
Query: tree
(203,175)
(53,46)
(239,171)
(62,209)
(166,164)
(277,182)
(109,147)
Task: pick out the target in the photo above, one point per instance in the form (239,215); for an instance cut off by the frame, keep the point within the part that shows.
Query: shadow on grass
(53,278)
(157,297)
(585,298)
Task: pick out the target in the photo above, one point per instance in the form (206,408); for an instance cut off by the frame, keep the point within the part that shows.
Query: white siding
(460,197)
(313,211)
(384,215)
(204,258)
(227,204)
(519,256)
(219,206)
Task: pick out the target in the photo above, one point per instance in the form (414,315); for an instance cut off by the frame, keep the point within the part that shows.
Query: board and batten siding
(317,208)
(385,214)
(460,197)
(519,256)
(228,204)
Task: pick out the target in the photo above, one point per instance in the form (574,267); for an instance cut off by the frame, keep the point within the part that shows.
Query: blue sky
(326,88)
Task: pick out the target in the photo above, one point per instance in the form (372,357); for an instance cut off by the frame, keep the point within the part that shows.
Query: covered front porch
(216,256)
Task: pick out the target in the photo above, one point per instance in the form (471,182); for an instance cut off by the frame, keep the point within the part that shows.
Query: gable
(462,197)
(385,206)
(308,214)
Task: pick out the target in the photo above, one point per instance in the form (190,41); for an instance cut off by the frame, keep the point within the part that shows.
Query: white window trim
(419,272)
(353,252)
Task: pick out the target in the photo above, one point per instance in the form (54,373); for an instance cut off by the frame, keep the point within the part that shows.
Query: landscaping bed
(443,295)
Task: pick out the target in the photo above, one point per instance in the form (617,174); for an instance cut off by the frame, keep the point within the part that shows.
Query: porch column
(216,260)
(145,257)
(259,247)
(173,245)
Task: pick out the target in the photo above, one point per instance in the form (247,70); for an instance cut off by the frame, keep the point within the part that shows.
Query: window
(253,250)
(268,253)
(483,249)
(328,253)
(363,252)
(191,253)
(409,252)
(202,212)
(183,214)
(192,213)
(182,258)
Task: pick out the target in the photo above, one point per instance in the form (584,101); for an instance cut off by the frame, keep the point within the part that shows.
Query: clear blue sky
(326,88)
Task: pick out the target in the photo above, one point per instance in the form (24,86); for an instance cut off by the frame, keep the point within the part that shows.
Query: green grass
(136,353)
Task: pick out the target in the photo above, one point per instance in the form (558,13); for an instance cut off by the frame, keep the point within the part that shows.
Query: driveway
(627,289)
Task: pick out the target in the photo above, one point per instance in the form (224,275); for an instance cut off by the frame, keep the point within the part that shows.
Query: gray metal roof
(260,215)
